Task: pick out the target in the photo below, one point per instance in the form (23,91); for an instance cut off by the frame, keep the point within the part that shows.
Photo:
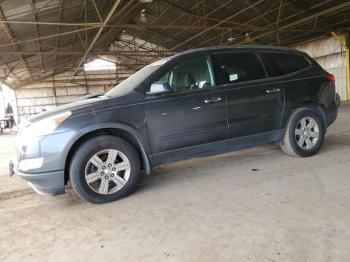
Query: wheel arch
(306,104)
(125,133)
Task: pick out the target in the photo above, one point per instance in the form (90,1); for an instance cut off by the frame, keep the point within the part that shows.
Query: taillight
(330,77)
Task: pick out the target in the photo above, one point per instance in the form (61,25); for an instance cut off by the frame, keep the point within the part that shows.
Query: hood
(68,107)
(91,105)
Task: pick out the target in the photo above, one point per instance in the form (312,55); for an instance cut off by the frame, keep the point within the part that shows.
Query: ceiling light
(231,38)
(143,17)
(145,1)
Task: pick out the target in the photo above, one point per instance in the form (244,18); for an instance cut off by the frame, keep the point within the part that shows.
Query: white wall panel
(35,101)
(322,47)
(340,80)
(2,106)
(77,91)
(67,99)
(34,92)
(331,56)
(95,89)
(56,91)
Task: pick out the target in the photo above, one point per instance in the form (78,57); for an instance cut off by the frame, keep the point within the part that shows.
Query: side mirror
(159,87)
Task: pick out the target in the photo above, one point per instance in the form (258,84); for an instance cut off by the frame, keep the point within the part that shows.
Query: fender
(143,145)
(304,104)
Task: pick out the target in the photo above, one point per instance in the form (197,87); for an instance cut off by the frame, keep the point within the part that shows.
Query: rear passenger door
(254,103)
(294,70)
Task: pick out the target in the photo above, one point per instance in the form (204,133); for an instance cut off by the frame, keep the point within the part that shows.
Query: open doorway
(8,107)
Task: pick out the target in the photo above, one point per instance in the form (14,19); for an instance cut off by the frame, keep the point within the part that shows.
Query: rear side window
(279,64)
(240,67)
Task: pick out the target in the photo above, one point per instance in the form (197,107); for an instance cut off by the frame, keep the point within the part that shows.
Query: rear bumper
(330,118)
(48,183)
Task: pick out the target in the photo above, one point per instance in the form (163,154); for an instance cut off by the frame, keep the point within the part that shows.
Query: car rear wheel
(104,169)
(304,133)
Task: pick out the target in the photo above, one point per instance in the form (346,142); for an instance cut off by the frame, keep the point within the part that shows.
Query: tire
(337,99)
(96,178)
(294,133)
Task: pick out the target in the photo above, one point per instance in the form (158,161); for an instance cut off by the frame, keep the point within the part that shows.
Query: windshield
(134,80)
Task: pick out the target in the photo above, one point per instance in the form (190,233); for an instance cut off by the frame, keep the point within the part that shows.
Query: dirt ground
(254,205)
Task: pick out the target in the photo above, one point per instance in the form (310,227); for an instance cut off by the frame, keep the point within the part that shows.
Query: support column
(54,90)
(347,57)
(346,45)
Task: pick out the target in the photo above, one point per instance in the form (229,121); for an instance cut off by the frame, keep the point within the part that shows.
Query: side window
(193,73)
(240,67)
(278,64)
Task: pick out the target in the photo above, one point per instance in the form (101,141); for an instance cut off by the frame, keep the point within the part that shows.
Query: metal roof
(41,38)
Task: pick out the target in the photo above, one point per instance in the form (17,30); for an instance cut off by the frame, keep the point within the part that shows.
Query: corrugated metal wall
(2,106)
(33,99)
(331,56)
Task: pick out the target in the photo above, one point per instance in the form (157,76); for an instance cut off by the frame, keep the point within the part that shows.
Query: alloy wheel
(107,171)
(307,133)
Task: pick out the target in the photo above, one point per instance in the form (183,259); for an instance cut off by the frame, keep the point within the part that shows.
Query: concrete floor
(254,205)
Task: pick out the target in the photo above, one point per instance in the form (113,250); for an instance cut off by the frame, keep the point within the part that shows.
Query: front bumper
(47,178)
(47,183)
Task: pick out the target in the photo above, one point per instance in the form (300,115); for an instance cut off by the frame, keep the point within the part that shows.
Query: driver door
(192,113)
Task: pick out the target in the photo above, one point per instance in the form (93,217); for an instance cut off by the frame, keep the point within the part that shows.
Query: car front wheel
(104,169)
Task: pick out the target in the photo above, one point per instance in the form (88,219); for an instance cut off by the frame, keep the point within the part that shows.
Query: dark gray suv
(197,103)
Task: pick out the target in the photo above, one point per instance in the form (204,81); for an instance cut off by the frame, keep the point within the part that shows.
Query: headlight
(31,163)
(23,124)
(46,126)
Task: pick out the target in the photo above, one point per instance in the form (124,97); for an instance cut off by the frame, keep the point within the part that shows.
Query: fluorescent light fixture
(143,18)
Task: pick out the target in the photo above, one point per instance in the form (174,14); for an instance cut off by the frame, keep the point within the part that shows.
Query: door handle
(273,90)
(213,100)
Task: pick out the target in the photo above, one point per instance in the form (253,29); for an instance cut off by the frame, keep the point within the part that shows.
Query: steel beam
(75,34)
(12,38)
(189,13)
(51,23)
(97,11)
(149,53)
(129,25)
(306,19)
(122,12)
(48,36)
(59,27)
(36,32)
(217,24)
(114,7)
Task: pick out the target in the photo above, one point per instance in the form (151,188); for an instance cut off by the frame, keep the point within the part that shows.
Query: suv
(197,103)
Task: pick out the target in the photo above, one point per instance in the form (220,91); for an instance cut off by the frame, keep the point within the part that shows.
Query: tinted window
(239,67)
(278,64)
(193,73)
